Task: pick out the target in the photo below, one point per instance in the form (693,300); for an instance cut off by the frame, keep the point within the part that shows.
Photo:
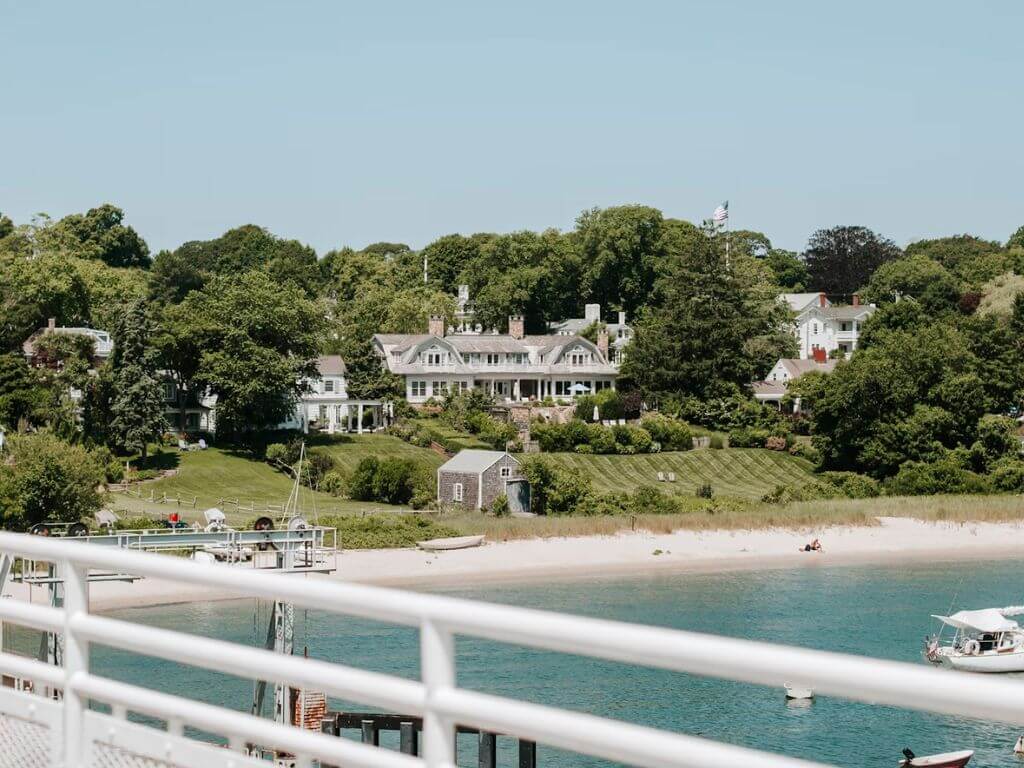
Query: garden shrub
(1008,475)
(775,443)
(811,491)
(385,531)
(557,491)
(672,434)
(853,485)
(333,482)
(499,507)
(947,475)
(745,437)
(113,471)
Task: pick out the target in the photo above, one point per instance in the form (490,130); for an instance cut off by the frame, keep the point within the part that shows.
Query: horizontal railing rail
(437,698)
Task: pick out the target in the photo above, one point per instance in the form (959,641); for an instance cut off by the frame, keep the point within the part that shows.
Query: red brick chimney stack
(856,299)
(516,326)
(822,300)
(436,325)
(602,342)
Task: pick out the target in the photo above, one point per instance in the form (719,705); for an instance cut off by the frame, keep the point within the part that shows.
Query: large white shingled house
(513,367)
(821,327)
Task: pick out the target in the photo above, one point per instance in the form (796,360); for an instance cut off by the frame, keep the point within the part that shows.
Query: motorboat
(945,760)
(984,640)
(452,542)
(798,692)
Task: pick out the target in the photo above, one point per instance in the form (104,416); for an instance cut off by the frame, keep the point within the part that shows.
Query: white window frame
(418,388)
(328,386)
(458,492)
(505,472)
(440,387)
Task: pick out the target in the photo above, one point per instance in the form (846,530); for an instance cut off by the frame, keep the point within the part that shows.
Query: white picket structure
(66,733)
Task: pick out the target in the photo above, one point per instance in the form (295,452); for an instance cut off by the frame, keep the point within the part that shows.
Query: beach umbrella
(597,414)
(578,389)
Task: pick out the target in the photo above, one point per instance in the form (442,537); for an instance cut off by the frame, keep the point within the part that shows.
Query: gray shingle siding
(479,490)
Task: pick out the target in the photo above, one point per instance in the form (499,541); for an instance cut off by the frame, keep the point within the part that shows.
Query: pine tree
(138,399)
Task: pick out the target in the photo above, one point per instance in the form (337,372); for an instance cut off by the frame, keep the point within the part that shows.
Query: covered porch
(518,389)
(344,415)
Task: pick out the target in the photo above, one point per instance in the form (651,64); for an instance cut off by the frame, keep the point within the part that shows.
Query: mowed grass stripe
(748,472)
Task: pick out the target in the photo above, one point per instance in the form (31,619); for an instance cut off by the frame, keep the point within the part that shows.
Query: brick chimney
(592,313)
(436,325)
(516,326)
(602,342)
(856,299)
(622,318)
(822,300)
(819,355)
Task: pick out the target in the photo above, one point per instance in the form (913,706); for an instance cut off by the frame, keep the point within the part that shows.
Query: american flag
(721,213)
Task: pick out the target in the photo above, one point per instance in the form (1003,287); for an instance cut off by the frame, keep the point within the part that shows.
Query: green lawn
(437,429)
(743,472)
(215,474)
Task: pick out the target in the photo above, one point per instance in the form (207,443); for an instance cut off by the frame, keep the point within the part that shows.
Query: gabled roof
(797,367)
(798,302)
(848,312)
(474,460)
(331,365)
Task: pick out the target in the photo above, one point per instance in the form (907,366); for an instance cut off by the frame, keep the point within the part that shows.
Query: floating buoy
(1018,748)
(798,692)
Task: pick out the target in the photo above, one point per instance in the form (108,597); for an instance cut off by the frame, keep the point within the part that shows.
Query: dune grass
(746,473)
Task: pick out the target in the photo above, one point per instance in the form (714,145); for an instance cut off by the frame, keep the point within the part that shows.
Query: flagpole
(727,241)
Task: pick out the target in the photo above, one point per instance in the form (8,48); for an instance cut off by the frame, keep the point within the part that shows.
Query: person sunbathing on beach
(814,546)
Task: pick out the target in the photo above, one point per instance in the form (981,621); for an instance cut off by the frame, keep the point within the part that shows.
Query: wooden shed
(475,478)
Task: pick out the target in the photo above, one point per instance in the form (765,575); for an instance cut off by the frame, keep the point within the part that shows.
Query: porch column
(359,428)
(348,418)
(331,421)
(515,389)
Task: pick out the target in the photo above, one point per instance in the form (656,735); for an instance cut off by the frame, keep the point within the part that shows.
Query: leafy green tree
(904,315)
(6,226)
(971,258)
(99,234)
(1016,239)
(23,395)
(173,276)
(137,407)
(621,250)
(790,272)
(448,256)
(746,242)
(525,273)
(46,479)
(110,290)
(934,286)
(842,259)
(33,290)
(257,340)
(694,338)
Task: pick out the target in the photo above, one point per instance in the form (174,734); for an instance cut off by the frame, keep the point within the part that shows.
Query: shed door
(518,494)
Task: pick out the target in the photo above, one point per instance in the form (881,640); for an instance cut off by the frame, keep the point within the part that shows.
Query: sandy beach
(894,540)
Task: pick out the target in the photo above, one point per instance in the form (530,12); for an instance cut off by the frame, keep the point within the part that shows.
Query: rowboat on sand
(452,542)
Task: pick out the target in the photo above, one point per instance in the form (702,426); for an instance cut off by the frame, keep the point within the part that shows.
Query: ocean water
(874,611)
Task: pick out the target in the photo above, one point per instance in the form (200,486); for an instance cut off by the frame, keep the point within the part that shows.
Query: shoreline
(594,558)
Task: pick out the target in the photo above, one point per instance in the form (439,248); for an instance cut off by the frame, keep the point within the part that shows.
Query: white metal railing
(436,697)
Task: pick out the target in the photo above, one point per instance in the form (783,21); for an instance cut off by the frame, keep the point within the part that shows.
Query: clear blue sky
(346,123)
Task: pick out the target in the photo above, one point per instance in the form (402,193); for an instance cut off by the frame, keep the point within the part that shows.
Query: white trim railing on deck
(437,697)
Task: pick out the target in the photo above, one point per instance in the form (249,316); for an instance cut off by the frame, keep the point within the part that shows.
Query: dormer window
(434,358)
(328,386)
(578,357)
(493,358)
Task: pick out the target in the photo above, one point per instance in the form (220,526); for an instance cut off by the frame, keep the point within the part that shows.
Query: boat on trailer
(945,760)
(984,640)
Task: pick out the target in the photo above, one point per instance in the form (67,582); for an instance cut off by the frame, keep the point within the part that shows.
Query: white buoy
(798,692)
(1018,748)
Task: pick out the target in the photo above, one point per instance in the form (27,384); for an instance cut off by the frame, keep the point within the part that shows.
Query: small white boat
(945,760)
(452,542)
(798,692)
(984,641)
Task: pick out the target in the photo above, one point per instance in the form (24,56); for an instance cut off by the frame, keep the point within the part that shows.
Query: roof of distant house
(103,344)
(331,365)
(473,460)
(768,389)
(848,311)
(798,302)
(798,367)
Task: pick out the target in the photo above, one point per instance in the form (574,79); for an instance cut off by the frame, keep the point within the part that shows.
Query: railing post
(437,659)
(76,659)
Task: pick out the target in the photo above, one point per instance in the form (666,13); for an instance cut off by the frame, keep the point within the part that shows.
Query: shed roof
(473,460)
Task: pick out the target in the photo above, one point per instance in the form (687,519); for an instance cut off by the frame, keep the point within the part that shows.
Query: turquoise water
(874,611)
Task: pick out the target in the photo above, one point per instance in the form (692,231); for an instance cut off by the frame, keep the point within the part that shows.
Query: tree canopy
(99,233)
(842,259)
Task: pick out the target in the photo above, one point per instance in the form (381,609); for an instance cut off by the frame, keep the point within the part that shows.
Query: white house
(775,384)
(325,405)
(513,367)
(821,327)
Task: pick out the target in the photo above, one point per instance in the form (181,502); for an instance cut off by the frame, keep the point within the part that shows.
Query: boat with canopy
(984,640)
